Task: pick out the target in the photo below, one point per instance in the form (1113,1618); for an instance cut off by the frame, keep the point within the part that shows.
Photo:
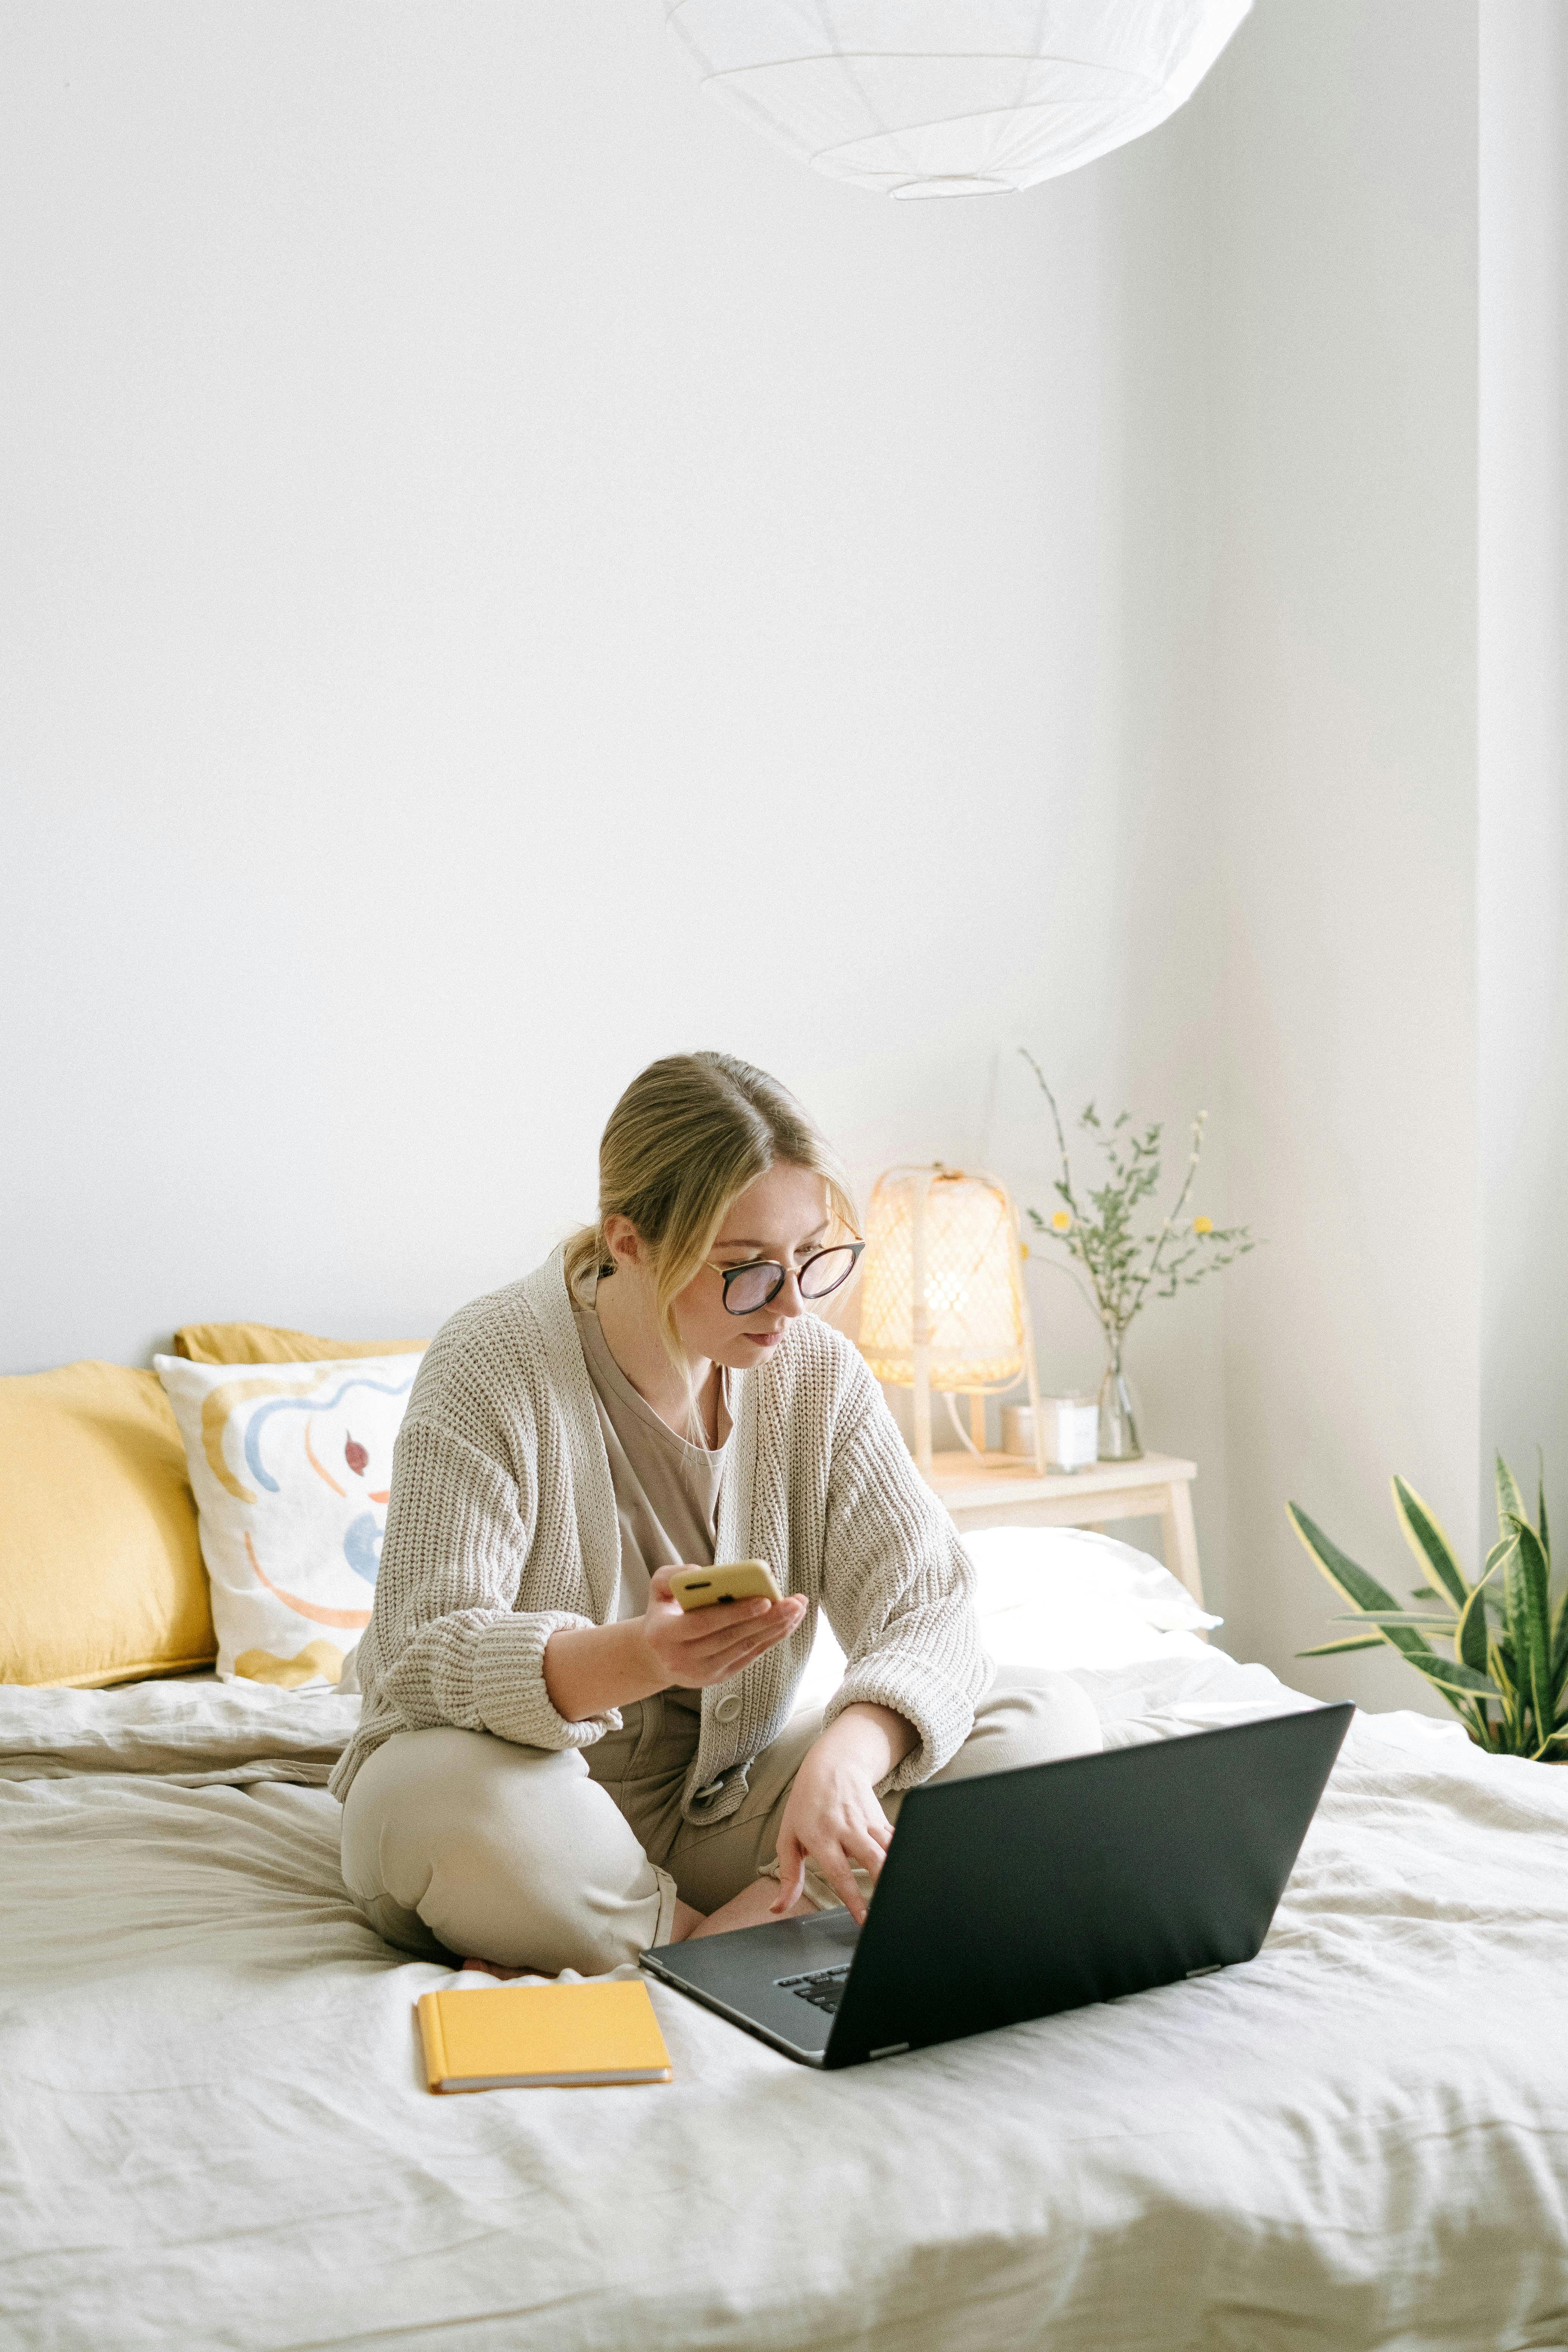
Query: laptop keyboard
(824,1988)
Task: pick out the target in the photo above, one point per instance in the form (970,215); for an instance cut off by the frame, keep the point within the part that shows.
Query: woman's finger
(723,1668)
(719,1670)
(702,1671)
(747,1638)
(761,1617)
(792,1875)
(750,1644)
(718,1661)
(740,1637)
(834,1864)
(698,1625)
(862,1847)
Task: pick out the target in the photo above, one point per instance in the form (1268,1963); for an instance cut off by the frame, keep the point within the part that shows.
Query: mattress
(214,2130)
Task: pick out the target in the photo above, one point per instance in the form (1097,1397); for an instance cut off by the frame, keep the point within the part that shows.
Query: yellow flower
(1202,1224)
(1060,1222)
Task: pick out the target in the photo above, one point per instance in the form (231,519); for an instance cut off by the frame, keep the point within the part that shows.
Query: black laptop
(1020,1894)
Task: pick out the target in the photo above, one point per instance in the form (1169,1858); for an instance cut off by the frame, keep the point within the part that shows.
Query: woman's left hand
(833,1816)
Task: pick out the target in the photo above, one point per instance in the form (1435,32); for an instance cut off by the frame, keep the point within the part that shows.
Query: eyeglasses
(749,1288)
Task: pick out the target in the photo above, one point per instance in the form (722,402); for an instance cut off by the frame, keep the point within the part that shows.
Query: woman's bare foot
(752,1907)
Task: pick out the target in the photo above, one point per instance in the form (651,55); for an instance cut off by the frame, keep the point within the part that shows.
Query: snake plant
(1505,1673)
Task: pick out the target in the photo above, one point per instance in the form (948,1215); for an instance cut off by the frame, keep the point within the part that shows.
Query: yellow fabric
(100,1565)
(317,1662)
(266,1343)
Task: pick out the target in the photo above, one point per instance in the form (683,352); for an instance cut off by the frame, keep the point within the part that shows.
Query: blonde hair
(685,1139)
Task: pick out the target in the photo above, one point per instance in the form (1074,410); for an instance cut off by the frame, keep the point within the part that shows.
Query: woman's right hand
(589,1669)
(690,1648)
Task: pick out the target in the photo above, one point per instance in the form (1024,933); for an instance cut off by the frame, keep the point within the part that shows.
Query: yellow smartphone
(737,1579)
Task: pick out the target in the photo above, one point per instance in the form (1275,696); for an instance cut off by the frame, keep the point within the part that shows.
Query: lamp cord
(965,1438)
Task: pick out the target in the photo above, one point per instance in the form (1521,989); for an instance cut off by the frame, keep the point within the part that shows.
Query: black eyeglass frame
(727,1275)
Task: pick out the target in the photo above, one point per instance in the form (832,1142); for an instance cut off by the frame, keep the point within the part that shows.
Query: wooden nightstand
(1001,1491)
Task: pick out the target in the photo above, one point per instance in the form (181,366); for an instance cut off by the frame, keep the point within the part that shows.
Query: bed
(214,2131)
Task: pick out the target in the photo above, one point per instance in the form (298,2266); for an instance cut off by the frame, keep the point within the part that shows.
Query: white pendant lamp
(951,97)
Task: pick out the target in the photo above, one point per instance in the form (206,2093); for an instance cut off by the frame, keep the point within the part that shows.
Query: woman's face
(784,1215)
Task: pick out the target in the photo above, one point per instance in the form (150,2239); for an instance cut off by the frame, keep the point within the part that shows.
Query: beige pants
(458,1843)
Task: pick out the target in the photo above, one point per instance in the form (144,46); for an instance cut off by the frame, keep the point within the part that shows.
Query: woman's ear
(623,1241)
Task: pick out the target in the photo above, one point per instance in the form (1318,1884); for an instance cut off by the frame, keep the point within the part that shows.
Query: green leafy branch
(1099,1224)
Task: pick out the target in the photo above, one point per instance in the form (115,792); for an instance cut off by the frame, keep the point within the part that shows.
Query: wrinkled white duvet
(214,2133)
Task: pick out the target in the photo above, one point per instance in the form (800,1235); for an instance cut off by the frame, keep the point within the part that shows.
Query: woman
(557,1768)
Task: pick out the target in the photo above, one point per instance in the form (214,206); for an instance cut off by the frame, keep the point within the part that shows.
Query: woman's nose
(789,1300)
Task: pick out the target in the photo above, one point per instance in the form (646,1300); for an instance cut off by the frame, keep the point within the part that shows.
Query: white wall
(1384,331)
(1523,840)
(1341,324)
(507,575)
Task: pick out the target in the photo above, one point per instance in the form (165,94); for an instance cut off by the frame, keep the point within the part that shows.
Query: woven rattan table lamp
(943,1305)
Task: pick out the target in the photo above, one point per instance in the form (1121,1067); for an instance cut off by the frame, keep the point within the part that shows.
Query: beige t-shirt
(666,1490)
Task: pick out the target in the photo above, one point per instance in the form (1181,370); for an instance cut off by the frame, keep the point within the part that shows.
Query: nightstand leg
(1182,1537)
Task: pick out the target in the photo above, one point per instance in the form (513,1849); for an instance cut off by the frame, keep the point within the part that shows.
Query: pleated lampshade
(951,97)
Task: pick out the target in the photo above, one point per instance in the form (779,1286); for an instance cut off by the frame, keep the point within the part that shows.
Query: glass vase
(1119,1439)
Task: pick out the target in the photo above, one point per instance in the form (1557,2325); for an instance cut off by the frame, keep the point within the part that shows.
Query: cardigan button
(728,1708)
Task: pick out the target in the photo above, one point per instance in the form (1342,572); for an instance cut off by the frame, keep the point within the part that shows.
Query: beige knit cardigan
(502,1527)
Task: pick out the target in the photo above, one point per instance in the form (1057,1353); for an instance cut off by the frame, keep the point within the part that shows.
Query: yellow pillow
(100,1564)
(262,1343)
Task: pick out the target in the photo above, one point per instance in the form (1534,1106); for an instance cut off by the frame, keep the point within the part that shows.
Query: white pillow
(291,1465)
(1064,1597)
(1056,1597)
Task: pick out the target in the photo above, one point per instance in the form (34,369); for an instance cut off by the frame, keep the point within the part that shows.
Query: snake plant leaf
(1541,1529)
(1523,1617)
(1560,1644)
(1470,1636)
(1502,1665)
(1359,1589)
(1394,1617)
(1364,1592)
(1509,1501)
(1452,1675)
(1530,1577)
(1337,1649)
(1430,1544)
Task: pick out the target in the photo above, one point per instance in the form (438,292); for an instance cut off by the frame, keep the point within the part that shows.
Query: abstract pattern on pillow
(291,1466)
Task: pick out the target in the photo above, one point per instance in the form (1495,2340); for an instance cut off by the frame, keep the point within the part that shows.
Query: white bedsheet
(214,2133)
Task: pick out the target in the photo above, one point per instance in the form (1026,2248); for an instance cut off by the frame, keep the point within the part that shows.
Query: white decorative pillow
(291,1465)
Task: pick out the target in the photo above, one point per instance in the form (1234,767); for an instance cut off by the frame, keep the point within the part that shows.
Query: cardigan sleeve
(457,1534)
(897,1587)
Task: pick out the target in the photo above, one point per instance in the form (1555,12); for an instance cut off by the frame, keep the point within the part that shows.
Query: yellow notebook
(540,2035)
